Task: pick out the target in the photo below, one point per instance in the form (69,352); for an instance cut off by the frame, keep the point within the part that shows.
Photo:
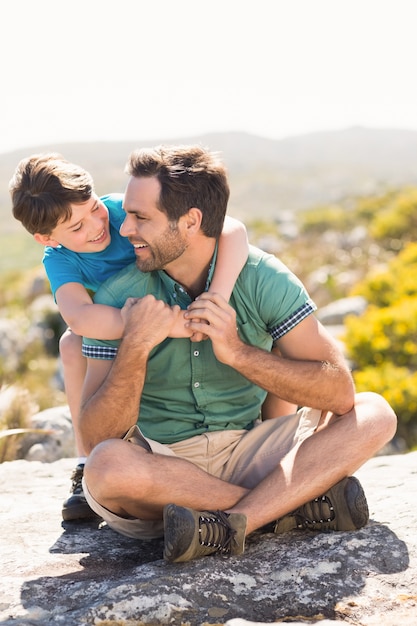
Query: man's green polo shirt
(187,391)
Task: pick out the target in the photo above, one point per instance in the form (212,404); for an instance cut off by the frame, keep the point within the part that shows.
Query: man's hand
(148,321)
(211,315)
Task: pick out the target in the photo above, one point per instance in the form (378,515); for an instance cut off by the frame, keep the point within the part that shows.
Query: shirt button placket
(196,369)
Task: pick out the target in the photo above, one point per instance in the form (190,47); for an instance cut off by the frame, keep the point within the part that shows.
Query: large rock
(335,313)
(78,575)
(57,444)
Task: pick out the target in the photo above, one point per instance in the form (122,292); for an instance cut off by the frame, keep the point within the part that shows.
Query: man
(56,202)
(201,468)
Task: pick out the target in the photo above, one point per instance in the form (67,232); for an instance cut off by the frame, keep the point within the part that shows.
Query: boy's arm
(231,257)
(100,321)
(86,318)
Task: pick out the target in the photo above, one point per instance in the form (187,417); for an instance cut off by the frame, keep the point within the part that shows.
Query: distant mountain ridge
(270,179)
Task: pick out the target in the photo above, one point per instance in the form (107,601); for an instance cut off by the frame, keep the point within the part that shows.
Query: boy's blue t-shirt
(91,268)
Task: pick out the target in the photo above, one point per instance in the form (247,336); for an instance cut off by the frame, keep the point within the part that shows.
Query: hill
(270,179)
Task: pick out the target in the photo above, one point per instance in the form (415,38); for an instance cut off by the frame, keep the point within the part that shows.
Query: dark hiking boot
(343,507)
(192,534)
(75,506)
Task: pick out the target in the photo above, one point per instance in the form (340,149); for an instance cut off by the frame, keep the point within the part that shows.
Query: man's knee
(110,465)
(102,463)
(379,413)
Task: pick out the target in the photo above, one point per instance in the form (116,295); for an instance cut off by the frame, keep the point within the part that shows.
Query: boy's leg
(74,366)
(75,506)
(273,407)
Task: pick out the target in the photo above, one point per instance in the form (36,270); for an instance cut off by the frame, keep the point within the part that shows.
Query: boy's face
(87,230)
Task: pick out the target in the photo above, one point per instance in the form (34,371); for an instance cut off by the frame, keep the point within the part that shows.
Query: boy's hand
(198,335)
(179,329)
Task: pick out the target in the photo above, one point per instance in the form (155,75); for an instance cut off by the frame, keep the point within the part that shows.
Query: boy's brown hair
(43,188)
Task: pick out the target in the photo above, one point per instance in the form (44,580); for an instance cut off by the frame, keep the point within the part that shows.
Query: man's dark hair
(190,176)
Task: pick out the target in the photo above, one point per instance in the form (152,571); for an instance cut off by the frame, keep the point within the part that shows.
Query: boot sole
(81,512)
(356,502)
(177,527)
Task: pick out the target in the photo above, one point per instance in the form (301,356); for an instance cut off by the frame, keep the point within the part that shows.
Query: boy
(56,202)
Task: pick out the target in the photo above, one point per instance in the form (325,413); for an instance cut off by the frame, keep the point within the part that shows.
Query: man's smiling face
(156,240)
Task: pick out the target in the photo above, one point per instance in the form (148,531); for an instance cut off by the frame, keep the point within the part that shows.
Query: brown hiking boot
(343,507)
(192,534)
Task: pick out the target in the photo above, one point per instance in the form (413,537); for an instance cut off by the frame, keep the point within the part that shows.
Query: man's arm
(308,370)
(113,389)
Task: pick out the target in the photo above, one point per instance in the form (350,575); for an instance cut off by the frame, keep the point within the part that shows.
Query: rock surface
(81,575)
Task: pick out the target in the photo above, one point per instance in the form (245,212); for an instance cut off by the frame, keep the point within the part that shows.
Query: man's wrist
(141,346)
(236,357)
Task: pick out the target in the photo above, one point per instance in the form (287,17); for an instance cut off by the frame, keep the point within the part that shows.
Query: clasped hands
(151,321)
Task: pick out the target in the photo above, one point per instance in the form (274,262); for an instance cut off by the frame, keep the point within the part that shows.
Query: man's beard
(169,246)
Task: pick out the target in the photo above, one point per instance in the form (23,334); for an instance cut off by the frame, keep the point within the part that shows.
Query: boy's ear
(45,240)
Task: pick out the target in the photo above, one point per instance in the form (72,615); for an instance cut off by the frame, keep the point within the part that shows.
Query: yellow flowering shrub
(382,342)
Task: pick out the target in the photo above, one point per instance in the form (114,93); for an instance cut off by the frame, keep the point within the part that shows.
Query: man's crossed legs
(207,493)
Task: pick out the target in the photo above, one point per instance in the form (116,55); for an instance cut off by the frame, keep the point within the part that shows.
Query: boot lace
(215,531)
(76,477)
(317,511)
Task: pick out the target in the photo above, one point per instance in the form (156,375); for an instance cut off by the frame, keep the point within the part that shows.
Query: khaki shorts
(240,457)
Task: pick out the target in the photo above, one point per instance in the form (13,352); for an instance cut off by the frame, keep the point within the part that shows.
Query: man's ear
(45,240)
(192,220)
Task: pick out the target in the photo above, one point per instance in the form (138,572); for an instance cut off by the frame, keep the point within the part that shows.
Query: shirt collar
(174,285)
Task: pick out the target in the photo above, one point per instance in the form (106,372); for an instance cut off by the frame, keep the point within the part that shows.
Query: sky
(90,70)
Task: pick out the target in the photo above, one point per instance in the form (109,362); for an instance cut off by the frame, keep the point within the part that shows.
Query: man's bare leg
(131,482)
(313,476)
(143,483)
(337,449)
